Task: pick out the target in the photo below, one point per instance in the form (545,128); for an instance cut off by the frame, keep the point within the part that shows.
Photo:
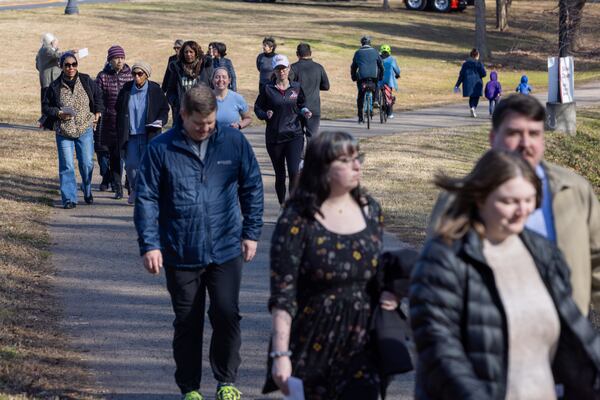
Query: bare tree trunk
(480,36)
(569,24)
(502,7)
(386,4)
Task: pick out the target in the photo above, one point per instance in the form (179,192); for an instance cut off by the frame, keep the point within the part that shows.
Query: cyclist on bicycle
(366,70)
(391,72)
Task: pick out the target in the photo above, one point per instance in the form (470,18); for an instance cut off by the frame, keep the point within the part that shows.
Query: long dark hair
(313,186)
(193,70)
(491,171)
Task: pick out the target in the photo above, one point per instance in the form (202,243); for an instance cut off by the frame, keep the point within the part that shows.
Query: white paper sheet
(296,389)
(82,53)
(155,124)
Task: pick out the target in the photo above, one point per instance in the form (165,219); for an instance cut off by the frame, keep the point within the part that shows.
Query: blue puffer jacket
(470,76)
(189,209)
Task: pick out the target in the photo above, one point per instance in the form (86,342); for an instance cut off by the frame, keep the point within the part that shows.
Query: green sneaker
(228,392)
(193,395)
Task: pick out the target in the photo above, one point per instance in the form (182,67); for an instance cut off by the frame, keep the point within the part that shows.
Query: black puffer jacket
(460,327)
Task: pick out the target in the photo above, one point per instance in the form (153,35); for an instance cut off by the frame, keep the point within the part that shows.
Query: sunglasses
(69,65)
(138,73)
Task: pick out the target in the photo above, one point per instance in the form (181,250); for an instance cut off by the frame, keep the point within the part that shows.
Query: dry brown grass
(399,169)
(430,47)
(34,356)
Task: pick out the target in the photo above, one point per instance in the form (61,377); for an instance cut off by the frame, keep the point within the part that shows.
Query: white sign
(82,53)
(561,80)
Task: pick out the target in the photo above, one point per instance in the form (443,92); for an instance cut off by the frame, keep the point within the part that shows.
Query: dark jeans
(104,164)
(473,101)
(289,153)
(188,296)
(311,125)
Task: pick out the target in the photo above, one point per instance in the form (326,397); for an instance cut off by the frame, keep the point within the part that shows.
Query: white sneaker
(391,116)
(473,113)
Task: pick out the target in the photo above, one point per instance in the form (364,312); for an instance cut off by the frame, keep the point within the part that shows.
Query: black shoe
(361,120)
(89,199)
(118,192)
(104,185)
(69,205)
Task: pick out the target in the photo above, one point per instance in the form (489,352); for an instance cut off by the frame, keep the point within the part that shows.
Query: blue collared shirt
(542,219)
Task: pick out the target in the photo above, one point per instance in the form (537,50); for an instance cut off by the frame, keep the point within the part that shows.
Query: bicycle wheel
(367,100)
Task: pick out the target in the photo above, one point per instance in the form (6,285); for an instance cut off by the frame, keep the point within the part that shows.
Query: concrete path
(119,317)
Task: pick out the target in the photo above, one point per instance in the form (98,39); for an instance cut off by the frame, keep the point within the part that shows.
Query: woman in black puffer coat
(490,301)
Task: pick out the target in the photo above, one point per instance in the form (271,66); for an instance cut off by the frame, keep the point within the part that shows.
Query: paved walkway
(119,317)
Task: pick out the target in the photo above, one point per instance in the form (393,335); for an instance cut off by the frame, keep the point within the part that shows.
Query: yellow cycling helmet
(385,48)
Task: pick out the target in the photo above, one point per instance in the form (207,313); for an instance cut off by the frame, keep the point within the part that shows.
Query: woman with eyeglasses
(281,104)
(232,108)
(142,111)
(324,250)
(73,104)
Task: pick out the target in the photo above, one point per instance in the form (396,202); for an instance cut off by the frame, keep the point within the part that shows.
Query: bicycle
(369,87)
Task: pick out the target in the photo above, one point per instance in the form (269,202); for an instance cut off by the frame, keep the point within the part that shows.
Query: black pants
(289,153)
(311,125)
(104,164)
(116,162)
(188,296)
(473,101)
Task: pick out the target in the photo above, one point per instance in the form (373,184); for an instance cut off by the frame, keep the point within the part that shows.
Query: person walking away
(142,111)
(312,78)
(187,71)
(490,301)
(172,58)
(198,212)
(569,214)
(524,87)
(110,81)
(232,109)
(324,251)
(219,51)
(470,77)
(493,91)
(391,72)
(73,105)
(281,104)
(264,61)
(47,63)
(366,70)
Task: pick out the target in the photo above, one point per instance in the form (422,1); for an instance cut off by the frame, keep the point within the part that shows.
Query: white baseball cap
(280,61)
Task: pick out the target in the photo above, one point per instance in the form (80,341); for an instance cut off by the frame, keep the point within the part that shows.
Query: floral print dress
(320,278)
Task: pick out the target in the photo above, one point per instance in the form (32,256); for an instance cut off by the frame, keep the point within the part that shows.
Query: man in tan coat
(569,214)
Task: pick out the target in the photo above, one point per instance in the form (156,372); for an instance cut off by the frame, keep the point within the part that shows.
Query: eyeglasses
(69,65)
(350,160)
(138,73)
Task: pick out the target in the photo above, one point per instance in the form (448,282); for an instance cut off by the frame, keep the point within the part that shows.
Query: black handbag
(388,335)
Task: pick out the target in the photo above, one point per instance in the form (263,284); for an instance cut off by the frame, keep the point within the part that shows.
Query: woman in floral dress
(324,250)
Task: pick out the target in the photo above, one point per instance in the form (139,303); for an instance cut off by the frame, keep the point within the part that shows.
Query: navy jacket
(198,212)
(366,63)
(470,76)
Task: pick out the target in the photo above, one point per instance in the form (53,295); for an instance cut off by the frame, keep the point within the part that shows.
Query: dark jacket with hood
(110,83)
(493,89)
(51,104)
(470,76)
(460,326)
(157,108)
(285,124)
(198,212)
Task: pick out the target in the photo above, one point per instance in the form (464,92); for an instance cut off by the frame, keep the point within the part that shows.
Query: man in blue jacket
(366,70)
(198,213)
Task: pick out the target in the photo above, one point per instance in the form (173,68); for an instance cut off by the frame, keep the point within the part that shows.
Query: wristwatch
(277,354)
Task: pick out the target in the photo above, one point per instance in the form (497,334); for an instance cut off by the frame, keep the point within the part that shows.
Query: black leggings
(473,101)
(289,153)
